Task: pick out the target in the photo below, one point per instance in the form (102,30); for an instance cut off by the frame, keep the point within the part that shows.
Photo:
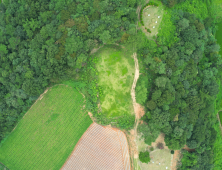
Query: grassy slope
(149,21)
(47,134)
(116,74)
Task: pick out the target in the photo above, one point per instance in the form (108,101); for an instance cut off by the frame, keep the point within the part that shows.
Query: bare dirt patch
(100,148)
(95,49)
(160,139)
(176,158)
(91,116)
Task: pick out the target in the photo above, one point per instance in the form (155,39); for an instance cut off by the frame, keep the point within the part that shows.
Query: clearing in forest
(100,148)
(48,132)
(160,158)
(116,74)
(152,17)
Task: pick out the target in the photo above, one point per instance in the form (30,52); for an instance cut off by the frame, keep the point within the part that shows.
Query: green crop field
(116,73)
(48,132)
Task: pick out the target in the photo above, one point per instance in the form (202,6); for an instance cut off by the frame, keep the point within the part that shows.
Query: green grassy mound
(151,21)
(116,73)
(49,131)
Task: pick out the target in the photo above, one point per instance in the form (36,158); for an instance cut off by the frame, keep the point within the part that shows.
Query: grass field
(2,167)
(220,115)
(219,36)
(151,20)
(116,74)
(49,131)
(162,156)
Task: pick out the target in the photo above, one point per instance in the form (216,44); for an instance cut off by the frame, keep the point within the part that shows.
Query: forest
(186,75)
(45,42)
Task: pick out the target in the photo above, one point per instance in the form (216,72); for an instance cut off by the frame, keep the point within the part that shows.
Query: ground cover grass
(219,36)
(197,7)
(151,21)
(49,131)
(166,33)
(2,167)
(115,76)
(162,156)
(220,115)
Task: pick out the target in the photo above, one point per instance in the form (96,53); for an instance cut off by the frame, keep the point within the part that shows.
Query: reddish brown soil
(174,161)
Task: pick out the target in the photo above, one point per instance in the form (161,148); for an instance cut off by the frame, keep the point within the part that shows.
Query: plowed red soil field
(102,148)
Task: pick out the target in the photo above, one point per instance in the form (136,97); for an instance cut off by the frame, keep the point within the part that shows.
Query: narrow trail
(133,95)
(138,110)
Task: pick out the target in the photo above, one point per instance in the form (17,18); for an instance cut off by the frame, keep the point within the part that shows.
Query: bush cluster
(144,157)
(148,30)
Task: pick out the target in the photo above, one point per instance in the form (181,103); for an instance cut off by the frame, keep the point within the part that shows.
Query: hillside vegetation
(185,70)
(47,42)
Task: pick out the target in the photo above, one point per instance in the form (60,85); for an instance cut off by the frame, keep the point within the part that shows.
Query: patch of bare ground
(139,112)
(188,149)
(100,148)
(91,116)
(95,49)
(176,158)
(218,118)
(160,139)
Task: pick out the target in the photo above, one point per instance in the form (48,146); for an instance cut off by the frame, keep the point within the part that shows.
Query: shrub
(151,148)
(148,30)
(172,151)
(144,157)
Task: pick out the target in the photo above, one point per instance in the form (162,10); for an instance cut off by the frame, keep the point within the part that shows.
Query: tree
(151,105)
(3,49)
(105,36)
(80,60)
(171,3)
(73,44)
(161,81)
(156,95)
(144,157)
(183,23)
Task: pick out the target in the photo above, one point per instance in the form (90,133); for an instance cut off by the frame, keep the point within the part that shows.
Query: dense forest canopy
(44,41)
(181,99)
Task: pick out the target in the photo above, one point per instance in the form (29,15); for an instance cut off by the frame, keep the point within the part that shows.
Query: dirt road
(138,110)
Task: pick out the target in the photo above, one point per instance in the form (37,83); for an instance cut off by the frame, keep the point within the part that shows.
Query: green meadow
(219,36)
(151,20)
(116,74)
(48,132)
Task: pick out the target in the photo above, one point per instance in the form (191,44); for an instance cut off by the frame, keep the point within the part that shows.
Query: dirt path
(176,157)
(218,117)
(136,106)
(138,110)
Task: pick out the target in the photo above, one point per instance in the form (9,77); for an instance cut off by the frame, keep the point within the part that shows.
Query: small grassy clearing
(162,156)
(48,132)
(116,73)
(152,17)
